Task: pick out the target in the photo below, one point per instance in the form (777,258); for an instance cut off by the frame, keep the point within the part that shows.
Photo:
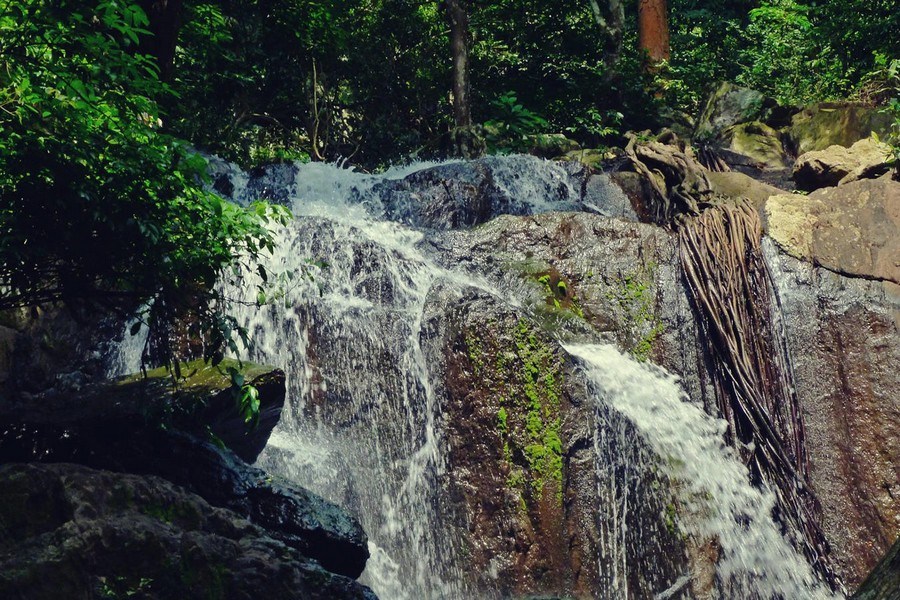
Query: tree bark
(459,50)
(165,20)
(653,31)
(611,20)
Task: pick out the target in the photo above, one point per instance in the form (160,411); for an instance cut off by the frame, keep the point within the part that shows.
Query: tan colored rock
(838,164)
(735,184)
(853,229)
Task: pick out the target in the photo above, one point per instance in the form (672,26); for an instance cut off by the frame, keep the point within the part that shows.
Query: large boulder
(853,229)
(202,401)
(119,426)
(837,164)
(67,531)
(735,184)
(551,145)
(461,195)
(832,123)
(753,143)
(730,105)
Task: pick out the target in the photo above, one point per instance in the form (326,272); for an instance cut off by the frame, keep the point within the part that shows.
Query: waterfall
(361,427)
(714,486)
(349,318)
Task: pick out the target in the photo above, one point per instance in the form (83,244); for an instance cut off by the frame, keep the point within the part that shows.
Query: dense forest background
(370,79)
(102,103)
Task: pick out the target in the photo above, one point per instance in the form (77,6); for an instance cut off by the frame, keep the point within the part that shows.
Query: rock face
(853,229)
(828,124)
(884,582)
(460,195)
(120,433)
(117,426)
(844,338)
(522,432)
(837,164)
(73,532)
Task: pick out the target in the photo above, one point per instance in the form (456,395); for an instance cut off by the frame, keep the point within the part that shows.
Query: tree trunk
(459,50)
(165,21)
(611,20)
(653,32)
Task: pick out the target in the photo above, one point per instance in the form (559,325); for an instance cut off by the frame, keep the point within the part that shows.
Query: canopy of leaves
(97,205)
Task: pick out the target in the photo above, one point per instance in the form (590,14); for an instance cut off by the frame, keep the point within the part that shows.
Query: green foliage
(98,206)
(511,125)
(884,81)
(246,398)
(788,58)
(121,587)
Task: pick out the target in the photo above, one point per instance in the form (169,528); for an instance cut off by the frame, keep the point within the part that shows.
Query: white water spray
(755,561)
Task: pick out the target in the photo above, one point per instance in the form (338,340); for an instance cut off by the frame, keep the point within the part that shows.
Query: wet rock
(202,399)
(837,164)
(73,532)
(884,582)
(853,229)
(122,432)
(530,525)
(843,335)
(834,123)
(458,195)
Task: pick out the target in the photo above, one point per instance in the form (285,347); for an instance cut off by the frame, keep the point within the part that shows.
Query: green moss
(669,517)
(502,420)
(180,513)
(475,353)
(525,381)
(633,293)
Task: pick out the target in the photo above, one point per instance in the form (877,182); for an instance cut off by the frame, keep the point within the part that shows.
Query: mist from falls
(362,424)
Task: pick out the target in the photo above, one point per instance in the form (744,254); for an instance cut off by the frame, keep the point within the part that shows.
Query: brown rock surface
(844,339)
(853,229)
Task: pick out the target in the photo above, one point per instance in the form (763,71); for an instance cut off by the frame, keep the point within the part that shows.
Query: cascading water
(363,422)
(714,487)
(350,340)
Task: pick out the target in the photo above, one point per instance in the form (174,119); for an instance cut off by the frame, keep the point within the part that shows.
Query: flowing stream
(362,423)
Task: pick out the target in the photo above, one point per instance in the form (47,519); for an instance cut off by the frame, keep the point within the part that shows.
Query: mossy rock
(758,142)
(828,124)
(201,401)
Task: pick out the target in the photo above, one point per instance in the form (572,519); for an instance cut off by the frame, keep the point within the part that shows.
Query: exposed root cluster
(732,292)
